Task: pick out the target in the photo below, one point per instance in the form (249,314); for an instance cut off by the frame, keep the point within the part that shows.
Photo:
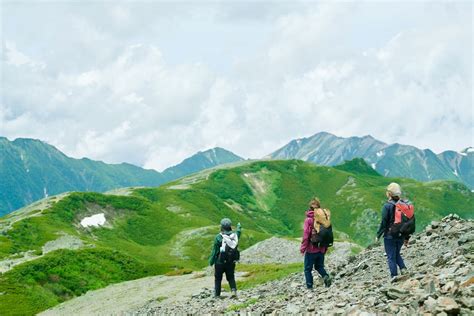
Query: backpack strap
(222,248)
(391,213)
(325,213)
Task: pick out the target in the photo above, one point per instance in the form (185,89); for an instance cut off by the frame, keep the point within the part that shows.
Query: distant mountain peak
(201,160)
(328,149)
(394,159)
(467,151)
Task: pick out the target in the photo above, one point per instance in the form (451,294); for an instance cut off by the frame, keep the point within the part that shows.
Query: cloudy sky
(151,83)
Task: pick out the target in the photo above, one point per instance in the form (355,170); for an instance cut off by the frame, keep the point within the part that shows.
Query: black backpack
(230,254)
(325,238)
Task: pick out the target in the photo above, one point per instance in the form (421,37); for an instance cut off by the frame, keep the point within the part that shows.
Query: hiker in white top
(224,255)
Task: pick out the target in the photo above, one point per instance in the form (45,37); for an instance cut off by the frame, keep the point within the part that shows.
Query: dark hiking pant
(394,259)
(228,268)
(315,260)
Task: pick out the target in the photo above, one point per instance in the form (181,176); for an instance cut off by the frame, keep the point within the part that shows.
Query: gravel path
(122,297)
(128,297)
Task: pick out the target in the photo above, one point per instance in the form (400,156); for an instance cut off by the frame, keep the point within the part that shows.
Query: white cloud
(16,58)
(88,78)
(121,14)
(400,72)
(132,98)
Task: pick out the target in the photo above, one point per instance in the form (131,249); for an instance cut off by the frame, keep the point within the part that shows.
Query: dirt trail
(126,296)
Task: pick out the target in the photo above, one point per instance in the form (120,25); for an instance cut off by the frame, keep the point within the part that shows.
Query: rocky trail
(129,297)
(440,282)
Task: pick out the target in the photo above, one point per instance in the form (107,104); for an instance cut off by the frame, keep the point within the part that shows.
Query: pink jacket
(306,245)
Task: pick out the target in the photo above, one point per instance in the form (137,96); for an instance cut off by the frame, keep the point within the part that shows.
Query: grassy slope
(152,229)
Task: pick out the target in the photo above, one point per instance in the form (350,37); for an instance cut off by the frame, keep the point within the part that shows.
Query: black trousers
(228,268)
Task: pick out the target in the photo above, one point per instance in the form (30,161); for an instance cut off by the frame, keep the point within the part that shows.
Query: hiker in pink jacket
(313,256)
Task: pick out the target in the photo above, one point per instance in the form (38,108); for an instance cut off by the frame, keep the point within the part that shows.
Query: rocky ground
(440,282)
(285,251)
(272,250)
(127,298)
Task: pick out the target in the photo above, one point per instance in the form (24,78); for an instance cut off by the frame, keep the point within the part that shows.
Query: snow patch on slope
(94,220)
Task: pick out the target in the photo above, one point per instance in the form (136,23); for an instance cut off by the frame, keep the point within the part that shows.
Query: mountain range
(391,160)
(31,170)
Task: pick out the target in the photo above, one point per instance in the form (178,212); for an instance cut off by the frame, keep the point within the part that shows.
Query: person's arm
(214,252)
(385,221)
(239,230)
(306,235)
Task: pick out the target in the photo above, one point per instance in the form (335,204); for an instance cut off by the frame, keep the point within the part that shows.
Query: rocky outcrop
(272,250)
(285,251)
(440,282)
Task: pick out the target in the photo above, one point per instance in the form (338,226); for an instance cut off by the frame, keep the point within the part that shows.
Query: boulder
(447,305)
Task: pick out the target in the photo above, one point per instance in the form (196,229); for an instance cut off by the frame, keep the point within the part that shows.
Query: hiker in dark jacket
(313,256)
(219,256)
(392,244)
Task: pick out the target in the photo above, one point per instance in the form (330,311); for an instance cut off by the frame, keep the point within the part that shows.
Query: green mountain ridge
(31,169)
(171,227)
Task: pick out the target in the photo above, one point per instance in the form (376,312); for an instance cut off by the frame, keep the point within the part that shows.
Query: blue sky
(153,82)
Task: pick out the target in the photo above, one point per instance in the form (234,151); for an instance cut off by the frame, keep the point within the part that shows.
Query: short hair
(315,203)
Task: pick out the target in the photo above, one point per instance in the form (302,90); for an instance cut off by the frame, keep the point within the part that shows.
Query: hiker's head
(394,190)
(226,225)
(314,203)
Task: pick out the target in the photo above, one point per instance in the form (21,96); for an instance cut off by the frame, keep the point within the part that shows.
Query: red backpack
(404,219)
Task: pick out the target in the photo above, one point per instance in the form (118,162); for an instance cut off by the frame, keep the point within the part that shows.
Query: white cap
(394,189)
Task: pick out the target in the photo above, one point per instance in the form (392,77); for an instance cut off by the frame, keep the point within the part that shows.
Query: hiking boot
(327,280)
(234,293)
(404,271)
(399,278)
